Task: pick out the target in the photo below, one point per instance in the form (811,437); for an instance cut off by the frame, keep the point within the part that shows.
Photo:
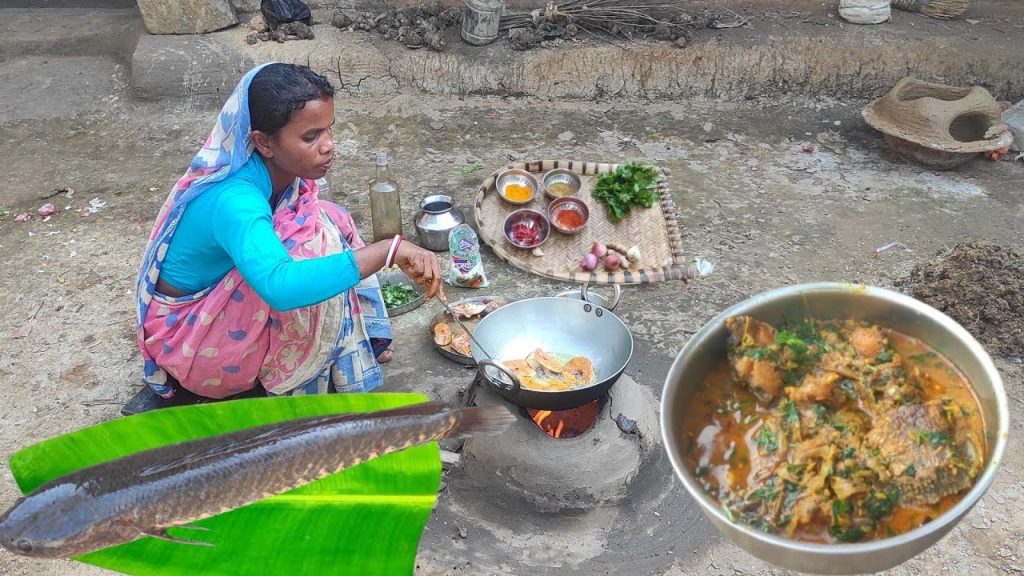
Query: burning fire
(566,423)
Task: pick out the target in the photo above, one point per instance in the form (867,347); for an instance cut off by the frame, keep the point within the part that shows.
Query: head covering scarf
(218,341)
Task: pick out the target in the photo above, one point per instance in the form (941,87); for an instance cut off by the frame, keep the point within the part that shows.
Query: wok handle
(513,388)
(585,290)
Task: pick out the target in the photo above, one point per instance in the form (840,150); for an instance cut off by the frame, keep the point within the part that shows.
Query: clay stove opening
(970,127)
(563,424)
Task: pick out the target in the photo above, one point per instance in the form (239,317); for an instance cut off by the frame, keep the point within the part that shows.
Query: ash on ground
(981,286)
(414,26)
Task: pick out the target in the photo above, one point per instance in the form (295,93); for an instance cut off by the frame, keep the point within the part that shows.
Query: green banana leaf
(366,520)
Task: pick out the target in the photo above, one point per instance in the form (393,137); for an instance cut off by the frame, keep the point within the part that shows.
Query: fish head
(55,522)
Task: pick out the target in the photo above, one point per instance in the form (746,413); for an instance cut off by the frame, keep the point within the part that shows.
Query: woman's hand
(421,266)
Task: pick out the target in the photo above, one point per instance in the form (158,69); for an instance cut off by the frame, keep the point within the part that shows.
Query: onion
(612,261)
(589,261)
(598,249)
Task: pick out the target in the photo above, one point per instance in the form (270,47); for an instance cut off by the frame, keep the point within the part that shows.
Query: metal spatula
(444,302)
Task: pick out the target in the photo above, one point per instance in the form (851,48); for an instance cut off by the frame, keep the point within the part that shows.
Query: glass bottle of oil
(385,202)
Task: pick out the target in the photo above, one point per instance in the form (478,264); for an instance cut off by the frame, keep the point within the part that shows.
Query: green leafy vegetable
(789,412)
(840,508)
(767,492)
(759,353)
(629,185)
(851,534)
(791,341)
(820,412)
(933,438)
(766,440)
(396,295)
(880,504)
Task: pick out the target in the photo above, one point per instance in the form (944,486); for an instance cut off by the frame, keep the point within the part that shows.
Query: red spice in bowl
(568,214)
(526,228)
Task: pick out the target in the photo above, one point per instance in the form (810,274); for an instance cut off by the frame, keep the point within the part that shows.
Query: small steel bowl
(568,204)
(562,176)
(530,217)
(706,350)
(516,176)
(399,278)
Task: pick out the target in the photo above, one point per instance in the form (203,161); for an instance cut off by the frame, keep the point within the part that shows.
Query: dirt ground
(772,191)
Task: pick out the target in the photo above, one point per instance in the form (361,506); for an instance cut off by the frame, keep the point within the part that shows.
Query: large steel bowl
(824,301)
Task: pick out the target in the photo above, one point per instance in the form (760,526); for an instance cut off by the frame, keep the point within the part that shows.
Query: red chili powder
(569,219)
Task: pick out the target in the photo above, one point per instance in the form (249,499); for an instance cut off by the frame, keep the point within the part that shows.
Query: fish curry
(833,431)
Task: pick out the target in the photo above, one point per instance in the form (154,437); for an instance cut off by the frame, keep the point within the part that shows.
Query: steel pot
(707,349)
(436,218)
(560,326)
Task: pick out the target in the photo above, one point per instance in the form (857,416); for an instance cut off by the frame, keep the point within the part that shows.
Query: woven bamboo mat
(654,230)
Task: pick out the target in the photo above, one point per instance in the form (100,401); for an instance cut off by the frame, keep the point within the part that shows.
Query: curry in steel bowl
(832,431)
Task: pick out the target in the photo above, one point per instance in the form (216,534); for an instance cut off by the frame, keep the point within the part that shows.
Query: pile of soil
(282,33)
(981,286)
(414,26)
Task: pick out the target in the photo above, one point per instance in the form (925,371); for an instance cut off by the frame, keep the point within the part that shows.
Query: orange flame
(566,423)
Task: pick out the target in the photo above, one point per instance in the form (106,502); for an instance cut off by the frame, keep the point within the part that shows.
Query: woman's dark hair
(278,90)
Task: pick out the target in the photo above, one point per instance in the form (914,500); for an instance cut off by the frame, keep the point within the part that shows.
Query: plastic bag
(467,269)
(277,12)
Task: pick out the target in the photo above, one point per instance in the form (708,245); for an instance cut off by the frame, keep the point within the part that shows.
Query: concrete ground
(766,212)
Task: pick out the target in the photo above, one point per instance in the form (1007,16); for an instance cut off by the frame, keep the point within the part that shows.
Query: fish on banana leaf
(145,493)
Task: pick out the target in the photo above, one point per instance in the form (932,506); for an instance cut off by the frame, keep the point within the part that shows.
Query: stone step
(807,54)
(76,31)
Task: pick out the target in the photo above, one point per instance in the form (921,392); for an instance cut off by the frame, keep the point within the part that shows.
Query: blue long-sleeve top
(230,226)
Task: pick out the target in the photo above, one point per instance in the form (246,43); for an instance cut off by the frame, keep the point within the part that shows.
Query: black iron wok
(563,326)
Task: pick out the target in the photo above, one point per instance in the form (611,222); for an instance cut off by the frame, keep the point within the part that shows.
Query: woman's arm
(418,264)
(245,230)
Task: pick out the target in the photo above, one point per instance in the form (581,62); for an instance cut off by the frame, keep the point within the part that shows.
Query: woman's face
(303,147)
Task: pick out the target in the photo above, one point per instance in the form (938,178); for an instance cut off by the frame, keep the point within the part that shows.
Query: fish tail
(481,420)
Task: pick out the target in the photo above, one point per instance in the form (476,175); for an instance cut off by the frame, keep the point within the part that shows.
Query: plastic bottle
(385,202)
(324,189)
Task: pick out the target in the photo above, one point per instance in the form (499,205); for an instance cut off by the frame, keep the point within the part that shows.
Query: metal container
(399,278)
(516,176)
(528,217)
(707,349)
(562,176)
(560,326)
(572,204)
(436,218)
(480,21)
